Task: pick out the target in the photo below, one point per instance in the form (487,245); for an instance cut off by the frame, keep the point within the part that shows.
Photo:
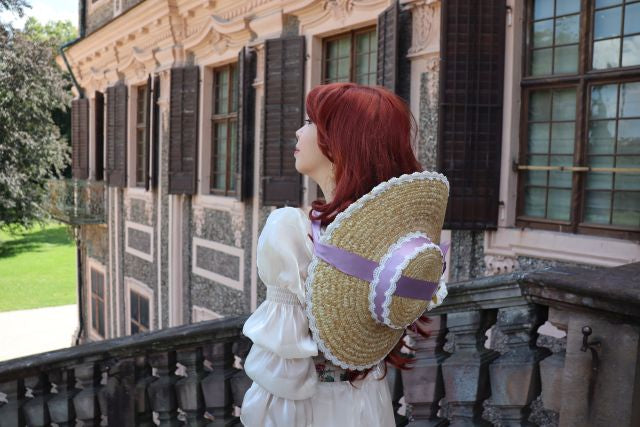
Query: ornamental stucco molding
(339,9)
(496,264)
(426,26)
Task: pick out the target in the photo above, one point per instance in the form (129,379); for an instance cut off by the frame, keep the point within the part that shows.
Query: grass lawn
(37,268)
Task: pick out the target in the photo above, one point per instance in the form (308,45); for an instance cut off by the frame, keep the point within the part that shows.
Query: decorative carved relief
(426,27)
(339,9)
(497,264)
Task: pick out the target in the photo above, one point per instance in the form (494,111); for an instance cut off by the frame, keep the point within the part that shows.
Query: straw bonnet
(377,268)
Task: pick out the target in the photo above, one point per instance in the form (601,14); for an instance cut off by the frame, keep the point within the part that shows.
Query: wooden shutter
(147,136)
(155,135)
(117,135)
(246,109)
(80,138)
(183,130)
(470,118)
(283,109)
(394,41)
(99,120)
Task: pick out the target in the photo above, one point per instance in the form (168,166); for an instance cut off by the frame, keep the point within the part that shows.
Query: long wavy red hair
(366,132)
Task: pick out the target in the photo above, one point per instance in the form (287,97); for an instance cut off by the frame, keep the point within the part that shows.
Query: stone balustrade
(191,375)
(521,377)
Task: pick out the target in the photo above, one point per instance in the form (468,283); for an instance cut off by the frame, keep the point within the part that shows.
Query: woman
(356,144)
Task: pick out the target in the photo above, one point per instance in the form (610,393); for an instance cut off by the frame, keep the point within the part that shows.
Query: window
(141,134)
(579,166)
(351,57)
(224,135)
(139,312)
(97,302)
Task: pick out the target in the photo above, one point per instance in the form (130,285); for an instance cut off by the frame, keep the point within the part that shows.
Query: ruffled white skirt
(366,403)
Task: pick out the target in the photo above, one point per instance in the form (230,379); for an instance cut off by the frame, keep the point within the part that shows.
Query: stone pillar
(162,394)
(188,388)
(61,405)
(466,372)
(85,401)
(11,393)
(35,409)
(515,379)
(119,394)
(143,378)
(217,385)
(423,384)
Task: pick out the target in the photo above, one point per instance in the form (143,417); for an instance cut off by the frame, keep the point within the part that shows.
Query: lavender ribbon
(363,268)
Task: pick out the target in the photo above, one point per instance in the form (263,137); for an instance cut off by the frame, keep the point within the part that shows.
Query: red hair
(366,132)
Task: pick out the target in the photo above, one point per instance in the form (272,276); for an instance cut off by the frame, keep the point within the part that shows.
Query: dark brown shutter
(394,41)
(80,138)
(147,136)
(183,130)
(246,109)
(470,118)
(117,135)
(155,135)
(283,109)
(99,120)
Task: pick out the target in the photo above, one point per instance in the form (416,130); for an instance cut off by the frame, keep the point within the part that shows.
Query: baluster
(240,382)
(545,410)
(119,393)
(162,394)
(515,379)
(188,389)
(61,404)
(144,413)
(423,384)
(394,381)
(216,386)
(86,400)
(466,373)
(10,414)
(35,410)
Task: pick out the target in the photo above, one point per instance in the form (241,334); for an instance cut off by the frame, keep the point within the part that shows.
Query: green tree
(32,88)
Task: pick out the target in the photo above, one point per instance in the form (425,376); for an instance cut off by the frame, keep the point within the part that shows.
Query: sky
(44,11)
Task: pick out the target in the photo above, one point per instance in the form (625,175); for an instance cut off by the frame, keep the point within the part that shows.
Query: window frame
(231,119)
(144,291)
(582,81)
(93,265)
(352,51)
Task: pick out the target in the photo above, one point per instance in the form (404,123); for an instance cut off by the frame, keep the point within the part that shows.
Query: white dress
(286,389)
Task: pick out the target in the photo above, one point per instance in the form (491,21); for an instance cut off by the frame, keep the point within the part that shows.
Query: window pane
(607,23)
(559,204)
(629,137)
(564,104)
(566,59)
(597,207)
(568,29)
(604,3)
(343,69)
(539,105)
(362,65)
(560,178)
(133,298)
(101,319)
(632,18)
(603,101)
(543,33)
(600,180)
(606,53)
(144,312)
(541,62)
(562,138)
(344,47)
(233,161)
(234,89)
(534,201)
(564,7)
(222,88)
(539,138)
(542,9)
(537,177)
(134,328)
(630,100)
(331,71)
(631,51)
(626,209)
(602,137)
(628,181)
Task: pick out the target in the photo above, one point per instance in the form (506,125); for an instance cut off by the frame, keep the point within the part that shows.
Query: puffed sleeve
(280,361)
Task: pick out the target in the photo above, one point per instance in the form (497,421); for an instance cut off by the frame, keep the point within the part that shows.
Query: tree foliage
(32,89)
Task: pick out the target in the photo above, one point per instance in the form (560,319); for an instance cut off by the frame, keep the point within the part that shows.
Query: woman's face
(309,159)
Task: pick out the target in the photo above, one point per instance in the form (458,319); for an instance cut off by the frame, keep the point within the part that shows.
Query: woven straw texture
(339,304)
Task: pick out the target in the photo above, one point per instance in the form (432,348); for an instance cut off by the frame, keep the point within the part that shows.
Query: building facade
(187,111)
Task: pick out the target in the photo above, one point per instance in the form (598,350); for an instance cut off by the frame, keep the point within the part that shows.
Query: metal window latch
(595,360)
